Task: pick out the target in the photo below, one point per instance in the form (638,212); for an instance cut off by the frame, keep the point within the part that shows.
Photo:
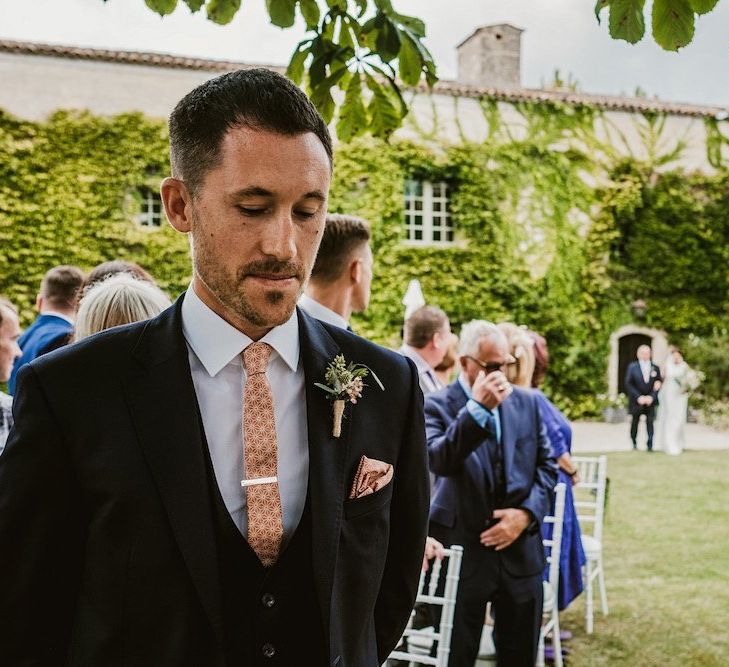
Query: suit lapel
(327,459)
(164,408)
(509,415)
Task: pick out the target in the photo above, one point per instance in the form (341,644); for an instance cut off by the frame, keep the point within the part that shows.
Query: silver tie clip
(258,480)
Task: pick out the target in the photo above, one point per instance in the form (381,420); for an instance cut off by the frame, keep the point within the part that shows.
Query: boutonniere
(345,382)
(653,374)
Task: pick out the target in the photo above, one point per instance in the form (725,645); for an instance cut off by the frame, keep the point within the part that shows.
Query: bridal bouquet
(689,381)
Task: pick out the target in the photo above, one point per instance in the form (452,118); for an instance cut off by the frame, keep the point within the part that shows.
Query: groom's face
(257,222)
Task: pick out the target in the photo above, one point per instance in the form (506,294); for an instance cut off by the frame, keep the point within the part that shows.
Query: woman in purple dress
(572,556)
(530,352)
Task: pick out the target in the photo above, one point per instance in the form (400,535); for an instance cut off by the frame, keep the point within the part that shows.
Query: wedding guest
(342,274)
(427,336)
(106,269)
(530,350)
(444,370)
(119,299)
(494,477)
(176,491)
(9,352)
(642,383)
(56,302)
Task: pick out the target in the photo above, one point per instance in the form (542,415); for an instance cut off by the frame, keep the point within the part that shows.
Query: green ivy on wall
(535,244)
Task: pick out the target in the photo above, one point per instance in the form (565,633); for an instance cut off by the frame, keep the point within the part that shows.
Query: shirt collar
(411,353)
(53,313)
(217,343)
(464,385)
(321,312)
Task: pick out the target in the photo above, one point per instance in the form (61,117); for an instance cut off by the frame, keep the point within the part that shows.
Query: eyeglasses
(492,366)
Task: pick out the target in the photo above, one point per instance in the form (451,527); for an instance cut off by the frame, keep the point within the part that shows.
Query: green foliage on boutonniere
(345,381)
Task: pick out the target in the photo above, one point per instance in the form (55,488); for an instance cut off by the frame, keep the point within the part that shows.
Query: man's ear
(355,271)
(437,340)
(38,302)
(177,201)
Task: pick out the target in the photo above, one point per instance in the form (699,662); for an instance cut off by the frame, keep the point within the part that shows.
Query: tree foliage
(363,50)
(672,21)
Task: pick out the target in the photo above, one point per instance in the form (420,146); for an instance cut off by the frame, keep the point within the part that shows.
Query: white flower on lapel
(345,383)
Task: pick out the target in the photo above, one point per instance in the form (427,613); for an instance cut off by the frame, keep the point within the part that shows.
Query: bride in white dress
(678,378)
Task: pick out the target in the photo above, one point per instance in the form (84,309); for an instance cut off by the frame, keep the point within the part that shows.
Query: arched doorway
(623,346)
(627,350)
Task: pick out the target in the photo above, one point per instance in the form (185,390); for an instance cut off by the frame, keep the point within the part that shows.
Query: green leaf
(162,7)
(384,117)
(352,114)
(362,5)
(410,64)
(673,23)
(599,6)
(222,12)
(626,20)
(321,95)
(194,5)
(703,6)
(412,23)
(387,43)
(325,388)
(295,70)
(310,12)
(282,12)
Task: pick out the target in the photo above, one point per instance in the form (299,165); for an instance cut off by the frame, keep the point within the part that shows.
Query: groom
(642,382)
(173,493)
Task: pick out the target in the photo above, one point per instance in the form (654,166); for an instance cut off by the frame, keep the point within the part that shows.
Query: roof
(490,27)
(454,88)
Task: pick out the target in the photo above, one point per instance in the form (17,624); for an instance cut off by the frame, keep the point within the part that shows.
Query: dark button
(267,600)
(268,650)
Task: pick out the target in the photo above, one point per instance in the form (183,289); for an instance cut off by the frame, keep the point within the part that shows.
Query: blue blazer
(636,386)
(462,493)
(46,334)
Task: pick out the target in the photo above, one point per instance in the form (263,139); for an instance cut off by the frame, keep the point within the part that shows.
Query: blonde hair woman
(521,347)
(120,299)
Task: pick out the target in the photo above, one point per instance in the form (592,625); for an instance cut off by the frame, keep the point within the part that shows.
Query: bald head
(644,353)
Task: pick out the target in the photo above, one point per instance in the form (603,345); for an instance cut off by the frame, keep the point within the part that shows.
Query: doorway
(627,350)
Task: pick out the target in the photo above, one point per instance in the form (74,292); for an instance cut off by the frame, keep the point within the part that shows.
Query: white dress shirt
(645,367)
(320,312)
(214,349)
(429,382)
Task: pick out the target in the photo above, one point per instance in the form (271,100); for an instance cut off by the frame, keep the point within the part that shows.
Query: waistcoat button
(267,600)
(268,650)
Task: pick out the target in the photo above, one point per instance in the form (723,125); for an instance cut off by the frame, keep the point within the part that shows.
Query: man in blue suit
(53,328)
(494,477)
(642,382)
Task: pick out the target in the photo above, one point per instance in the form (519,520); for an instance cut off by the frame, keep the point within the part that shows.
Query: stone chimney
(491,57)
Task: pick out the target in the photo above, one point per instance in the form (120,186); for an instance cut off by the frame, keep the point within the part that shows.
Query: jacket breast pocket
(370,503)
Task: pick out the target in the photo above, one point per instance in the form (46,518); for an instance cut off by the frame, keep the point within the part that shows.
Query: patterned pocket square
(372,475)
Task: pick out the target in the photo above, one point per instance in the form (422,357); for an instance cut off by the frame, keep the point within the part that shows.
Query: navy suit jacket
(636,386)
(106,522)
(462,494)
(46,334)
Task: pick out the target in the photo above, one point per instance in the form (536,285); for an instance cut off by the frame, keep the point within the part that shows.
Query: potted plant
(613,408)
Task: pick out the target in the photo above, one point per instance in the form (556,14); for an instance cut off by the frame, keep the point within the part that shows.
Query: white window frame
(432,221)
(148,217)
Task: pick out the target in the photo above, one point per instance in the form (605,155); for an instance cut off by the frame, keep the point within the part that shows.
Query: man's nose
(278,239)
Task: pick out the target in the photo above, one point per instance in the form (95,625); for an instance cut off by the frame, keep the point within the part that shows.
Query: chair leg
(540,650)
(603,591)
(588,596)
(556,639)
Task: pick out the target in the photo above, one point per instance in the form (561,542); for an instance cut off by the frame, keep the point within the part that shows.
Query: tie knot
(256,356)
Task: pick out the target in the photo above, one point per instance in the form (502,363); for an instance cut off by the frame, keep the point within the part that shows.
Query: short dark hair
(423,324)
(257,98)
(112,267)
(6,303)
(61,286)
(343,234)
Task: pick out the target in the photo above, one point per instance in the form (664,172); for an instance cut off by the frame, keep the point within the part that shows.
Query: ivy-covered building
(600,221)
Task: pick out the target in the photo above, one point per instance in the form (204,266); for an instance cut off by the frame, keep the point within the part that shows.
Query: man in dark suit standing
(494,478)
(642,382)
(174,492)
(56,304)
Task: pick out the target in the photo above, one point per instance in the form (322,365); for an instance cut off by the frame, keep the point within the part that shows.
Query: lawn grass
(666,542)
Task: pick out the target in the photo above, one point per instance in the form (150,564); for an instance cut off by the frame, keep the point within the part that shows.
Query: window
(428,213)
(150,213)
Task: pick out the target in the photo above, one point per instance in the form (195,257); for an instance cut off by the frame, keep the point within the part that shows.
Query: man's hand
(491,390)
(433,549)
(512,523)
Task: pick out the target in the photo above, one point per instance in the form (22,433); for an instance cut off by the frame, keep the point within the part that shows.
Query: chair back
(553,546)
(432,590)
(590,494)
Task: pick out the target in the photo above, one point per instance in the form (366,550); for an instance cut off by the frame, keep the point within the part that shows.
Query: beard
(261,308)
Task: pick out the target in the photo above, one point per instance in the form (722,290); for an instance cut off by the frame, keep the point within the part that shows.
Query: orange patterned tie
(265,524)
